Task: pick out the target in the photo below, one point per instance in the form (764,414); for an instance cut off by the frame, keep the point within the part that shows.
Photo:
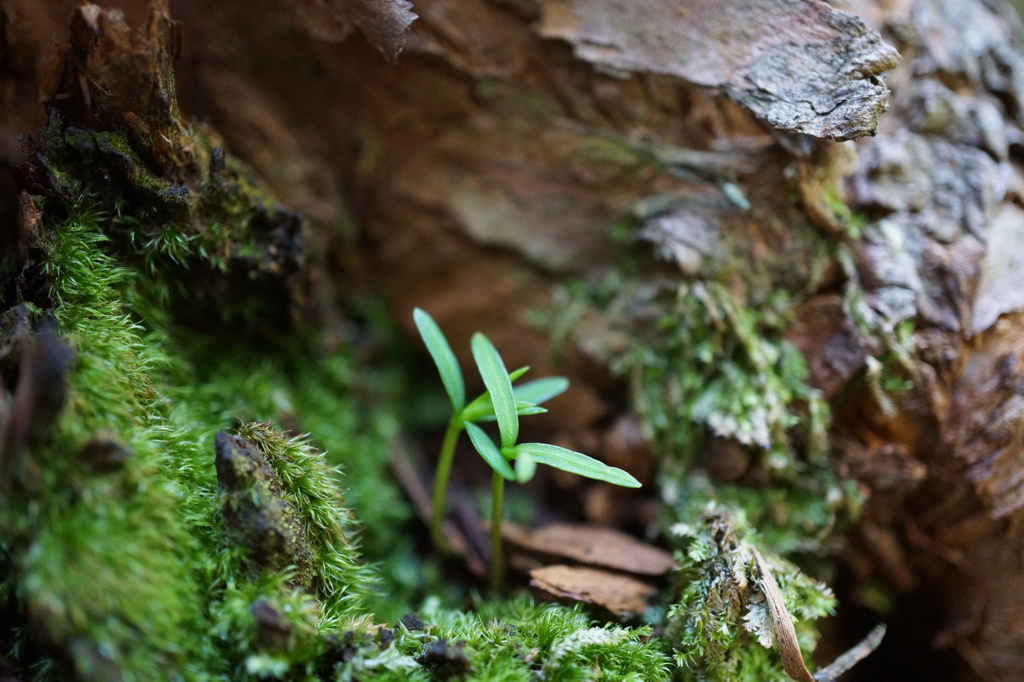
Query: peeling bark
(801,66)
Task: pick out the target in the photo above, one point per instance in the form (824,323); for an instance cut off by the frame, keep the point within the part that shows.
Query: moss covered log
(195,451)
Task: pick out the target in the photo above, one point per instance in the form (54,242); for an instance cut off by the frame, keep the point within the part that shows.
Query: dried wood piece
(800,65)
(383,22)
(855,655)
(593,545)
(620,594)
(28,416)
(782,623)
(118,78)
(257,512)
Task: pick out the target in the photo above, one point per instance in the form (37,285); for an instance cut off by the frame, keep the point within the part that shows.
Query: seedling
(504,403)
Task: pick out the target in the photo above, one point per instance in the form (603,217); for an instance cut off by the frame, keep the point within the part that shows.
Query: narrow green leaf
(444,358)
(527,396)
(515,374)
(484,412)
(489,451)
(526,466)
(540,391)
(577,463)
(479,408)
(495,377)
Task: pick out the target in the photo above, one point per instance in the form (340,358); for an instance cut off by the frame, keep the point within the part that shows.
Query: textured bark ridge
(940,254)
(801,66)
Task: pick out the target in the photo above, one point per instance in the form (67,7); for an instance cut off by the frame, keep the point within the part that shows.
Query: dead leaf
(592,545)
(620,594)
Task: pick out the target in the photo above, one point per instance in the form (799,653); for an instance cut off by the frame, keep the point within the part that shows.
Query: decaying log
(490,162)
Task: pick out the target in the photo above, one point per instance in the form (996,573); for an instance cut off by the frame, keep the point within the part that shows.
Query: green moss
(317,395)
(720,627)
(710,373)
(712,364)
(223,248)
(518,640)
(102,557)
(339,577)
(268,628)
(127,569)
(737,429)
(134,572)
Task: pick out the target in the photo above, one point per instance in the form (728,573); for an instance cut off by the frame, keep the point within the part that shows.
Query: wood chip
(622,595)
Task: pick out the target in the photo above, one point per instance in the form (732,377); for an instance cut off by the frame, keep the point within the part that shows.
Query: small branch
(852,657)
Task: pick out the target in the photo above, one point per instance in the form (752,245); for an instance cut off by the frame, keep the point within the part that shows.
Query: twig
(782,624)
(852,657)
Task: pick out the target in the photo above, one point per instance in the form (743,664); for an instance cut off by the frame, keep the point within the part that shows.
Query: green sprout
(504,403)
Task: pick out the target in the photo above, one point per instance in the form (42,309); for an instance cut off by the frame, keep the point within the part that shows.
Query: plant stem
(497,509)
(444,470)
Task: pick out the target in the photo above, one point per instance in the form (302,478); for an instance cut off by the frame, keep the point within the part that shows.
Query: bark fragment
(801,66)
(28,416)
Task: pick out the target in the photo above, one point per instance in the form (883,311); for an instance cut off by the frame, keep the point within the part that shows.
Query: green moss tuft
(519,640)
(102,561)
(117,553)
(720,627)
(710,364)
(340,578)
(725,400)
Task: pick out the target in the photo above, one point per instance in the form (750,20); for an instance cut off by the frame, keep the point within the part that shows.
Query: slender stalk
(497,512)
(444,470)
